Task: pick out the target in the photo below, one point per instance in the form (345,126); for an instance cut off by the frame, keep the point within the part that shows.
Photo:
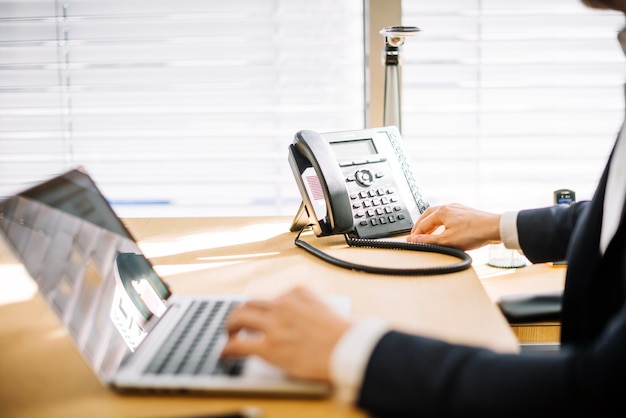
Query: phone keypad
(376,207)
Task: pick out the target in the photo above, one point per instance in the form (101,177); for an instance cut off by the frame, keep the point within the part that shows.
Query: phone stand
(394,39)
(301,219)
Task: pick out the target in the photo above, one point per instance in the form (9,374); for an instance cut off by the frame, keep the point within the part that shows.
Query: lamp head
(394,35)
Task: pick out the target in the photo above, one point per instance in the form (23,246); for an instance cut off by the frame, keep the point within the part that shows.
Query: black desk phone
(357,182)
(360,183)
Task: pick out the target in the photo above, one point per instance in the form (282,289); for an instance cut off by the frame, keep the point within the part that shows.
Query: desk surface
(41,374)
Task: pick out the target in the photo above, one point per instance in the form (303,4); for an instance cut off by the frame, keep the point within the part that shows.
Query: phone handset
(323,182)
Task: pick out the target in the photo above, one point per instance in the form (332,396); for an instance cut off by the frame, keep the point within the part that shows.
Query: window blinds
(186,108)
(506,101)
(176,108)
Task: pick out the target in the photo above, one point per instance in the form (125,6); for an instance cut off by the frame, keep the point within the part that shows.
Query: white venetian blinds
(175,107)
(505,101)
(187,107)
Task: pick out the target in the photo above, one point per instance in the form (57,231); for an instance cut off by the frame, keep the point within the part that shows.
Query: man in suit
(390,373)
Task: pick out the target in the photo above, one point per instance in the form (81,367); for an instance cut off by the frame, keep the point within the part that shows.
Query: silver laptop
(131,330)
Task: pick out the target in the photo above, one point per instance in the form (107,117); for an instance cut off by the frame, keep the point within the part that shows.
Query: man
(390,373)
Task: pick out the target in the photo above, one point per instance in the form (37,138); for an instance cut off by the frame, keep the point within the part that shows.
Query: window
(506,101)
(186,108)
(176,108)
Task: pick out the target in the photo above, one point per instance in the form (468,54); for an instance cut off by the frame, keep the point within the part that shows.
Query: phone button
(364,177)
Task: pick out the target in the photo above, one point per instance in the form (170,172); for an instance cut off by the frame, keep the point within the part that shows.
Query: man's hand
(296,332)
(456,226)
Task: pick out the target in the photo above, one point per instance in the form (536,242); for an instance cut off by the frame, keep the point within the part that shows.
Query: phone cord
(465,263)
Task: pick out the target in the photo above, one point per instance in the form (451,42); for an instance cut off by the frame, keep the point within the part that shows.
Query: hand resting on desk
(456,226)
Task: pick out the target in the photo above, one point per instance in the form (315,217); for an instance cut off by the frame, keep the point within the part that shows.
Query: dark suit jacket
(413,376)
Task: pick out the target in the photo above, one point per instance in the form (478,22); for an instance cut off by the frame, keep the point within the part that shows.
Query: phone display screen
(349,149)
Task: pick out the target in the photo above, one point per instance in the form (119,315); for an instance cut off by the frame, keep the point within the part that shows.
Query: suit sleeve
(414,376)
(544,234)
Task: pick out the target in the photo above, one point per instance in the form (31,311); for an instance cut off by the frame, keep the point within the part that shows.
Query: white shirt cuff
(508,230)
(351,355)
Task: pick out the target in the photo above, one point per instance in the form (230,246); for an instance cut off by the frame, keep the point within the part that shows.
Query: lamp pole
(394,39)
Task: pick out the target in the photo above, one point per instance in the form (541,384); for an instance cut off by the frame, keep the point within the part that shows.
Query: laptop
(132,331)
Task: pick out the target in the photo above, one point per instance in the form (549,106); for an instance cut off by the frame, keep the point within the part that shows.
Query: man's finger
(427,225)
(424,239)
(246,317)
(236,346)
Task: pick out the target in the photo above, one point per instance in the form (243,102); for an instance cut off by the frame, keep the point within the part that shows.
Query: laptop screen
(75,193)
(75,247)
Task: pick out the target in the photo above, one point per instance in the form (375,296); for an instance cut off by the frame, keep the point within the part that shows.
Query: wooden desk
(42,375)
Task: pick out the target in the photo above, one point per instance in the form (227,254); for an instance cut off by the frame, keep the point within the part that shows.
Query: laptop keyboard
(192,348)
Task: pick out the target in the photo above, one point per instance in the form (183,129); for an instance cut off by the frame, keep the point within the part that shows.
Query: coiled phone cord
(465,263)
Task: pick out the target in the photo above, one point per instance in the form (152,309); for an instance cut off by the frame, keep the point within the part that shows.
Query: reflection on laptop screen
(76,194)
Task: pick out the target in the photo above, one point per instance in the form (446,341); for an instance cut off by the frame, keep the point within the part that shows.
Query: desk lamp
(394,39)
